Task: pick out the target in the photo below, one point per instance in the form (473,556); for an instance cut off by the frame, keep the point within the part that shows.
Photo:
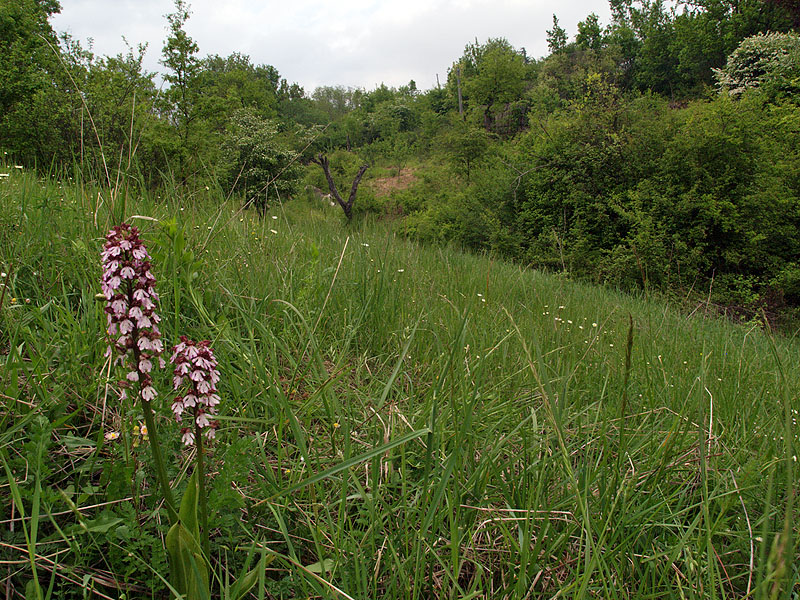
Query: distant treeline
(659,151)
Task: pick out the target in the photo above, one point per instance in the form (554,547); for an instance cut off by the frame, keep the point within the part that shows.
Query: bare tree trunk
(347,207)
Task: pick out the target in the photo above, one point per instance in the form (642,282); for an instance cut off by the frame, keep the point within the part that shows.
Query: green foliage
(638,194)
(119,100)
(589,34)
(491,73)
(465,145)
(597,175)
(562,77)
(499,76)
(188,568)
(556,37)
(35,105)
(180,101)
(233,83)
(337,101)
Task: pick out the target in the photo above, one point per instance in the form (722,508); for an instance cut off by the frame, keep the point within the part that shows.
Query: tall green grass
(398,421)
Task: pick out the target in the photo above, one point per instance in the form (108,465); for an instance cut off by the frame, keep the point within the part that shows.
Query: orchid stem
(201,483)
(161,472)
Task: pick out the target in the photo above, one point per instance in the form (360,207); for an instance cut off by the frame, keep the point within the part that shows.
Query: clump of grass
(401,421)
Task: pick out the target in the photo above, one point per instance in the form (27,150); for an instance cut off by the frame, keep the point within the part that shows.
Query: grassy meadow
(397,421)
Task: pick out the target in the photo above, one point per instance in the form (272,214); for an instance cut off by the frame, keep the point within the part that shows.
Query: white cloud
(358,43)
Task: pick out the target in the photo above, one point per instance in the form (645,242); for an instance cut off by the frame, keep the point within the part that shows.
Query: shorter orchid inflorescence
(128,286)
(195,362)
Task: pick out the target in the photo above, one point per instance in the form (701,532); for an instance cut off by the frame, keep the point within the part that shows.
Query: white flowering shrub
(260,160)
(766,60)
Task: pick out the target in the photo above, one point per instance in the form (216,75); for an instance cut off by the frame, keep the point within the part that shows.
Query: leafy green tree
(295,106)
(38,103)
(438,101)
(393,117)
(337,101)
(791,7)
(409,90)
(498,80)
(556,37)
(24,34)
(465,145)
(656,65)
(179,56)
(562,76)
(119,95)
(371,100)
(590,35)
(673,50)
(225,84)
(494,64)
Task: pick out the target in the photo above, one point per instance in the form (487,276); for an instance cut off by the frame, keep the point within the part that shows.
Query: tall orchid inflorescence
(128,286)
(129,289)
(195,362)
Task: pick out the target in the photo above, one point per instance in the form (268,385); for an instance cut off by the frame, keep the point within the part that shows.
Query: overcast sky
(358,43)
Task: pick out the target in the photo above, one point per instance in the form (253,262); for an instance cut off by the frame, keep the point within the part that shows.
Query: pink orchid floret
(196,369)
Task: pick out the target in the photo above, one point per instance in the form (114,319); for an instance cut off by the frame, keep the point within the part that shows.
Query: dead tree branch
(347,207)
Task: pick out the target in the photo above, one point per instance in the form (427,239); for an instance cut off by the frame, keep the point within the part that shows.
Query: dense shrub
(636,192)
(259,162)
(768,60)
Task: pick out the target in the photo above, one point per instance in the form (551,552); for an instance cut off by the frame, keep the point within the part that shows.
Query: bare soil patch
(385,186)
